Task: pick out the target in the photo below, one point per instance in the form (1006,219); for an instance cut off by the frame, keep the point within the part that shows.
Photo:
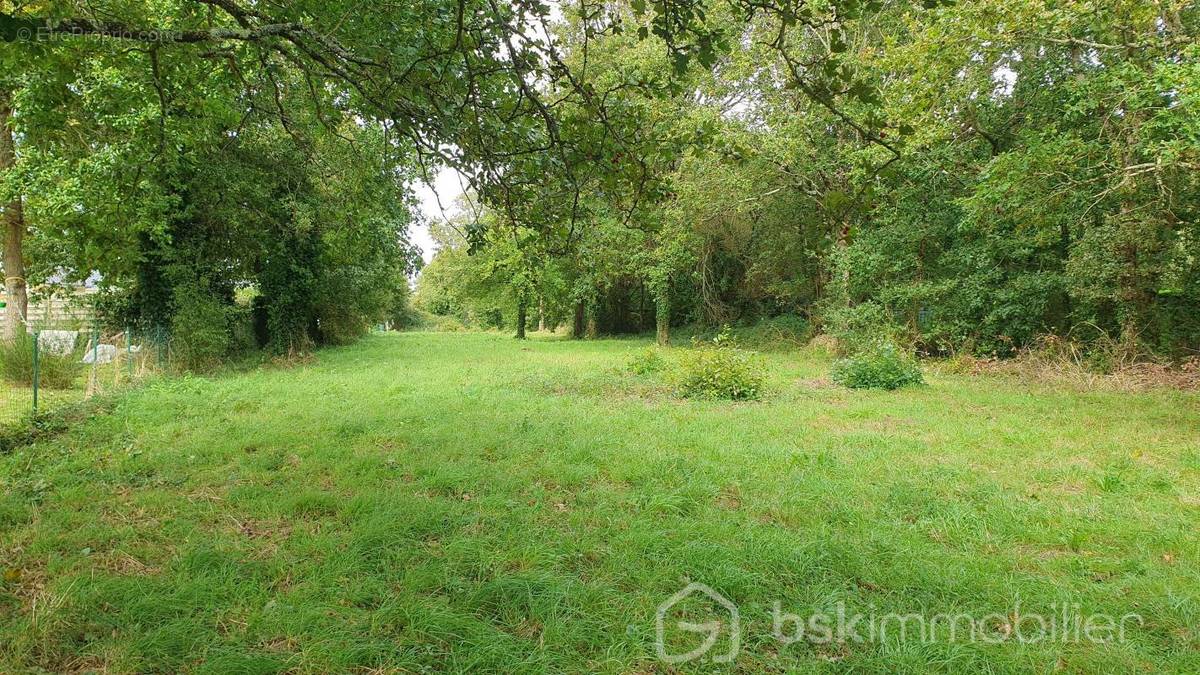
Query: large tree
(12,221)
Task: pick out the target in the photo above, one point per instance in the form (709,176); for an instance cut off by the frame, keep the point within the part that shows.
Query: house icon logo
(711,630)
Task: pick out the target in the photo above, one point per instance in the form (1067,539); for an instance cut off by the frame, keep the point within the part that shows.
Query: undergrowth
(55,371)
(878,365)
(715,369)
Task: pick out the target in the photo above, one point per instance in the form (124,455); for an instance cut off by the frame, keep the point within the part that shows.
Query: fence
(47,369)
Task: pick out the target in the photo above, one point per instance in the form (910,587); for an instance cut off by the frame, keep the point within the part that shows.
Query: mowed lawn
(454,502)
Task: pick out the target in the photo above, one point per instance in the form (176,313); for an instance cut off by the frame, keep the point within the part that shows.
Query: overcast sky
(448,188)
(447,184)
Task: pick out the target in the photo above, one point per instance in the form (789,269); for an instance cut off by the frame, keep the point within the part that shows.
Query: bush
(720,370)
(648,361)
(243,339)
(200,336)
(56,371)
(403,314)
(785,331)
(418,319)
(858,328)
(408,317)
(881,365)
(447,324)
(340,324)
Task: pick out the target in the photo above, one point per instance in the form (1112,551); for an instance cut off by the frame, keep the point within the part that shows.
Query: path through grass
(469,502)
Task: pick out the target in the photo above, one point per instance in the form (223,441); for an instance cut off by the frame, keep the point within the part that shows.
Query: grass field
(16,402)
(432,502)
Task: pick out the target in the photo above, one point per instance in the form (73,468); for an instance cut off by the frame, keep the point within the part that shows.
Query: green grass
(16,401)
(469,502)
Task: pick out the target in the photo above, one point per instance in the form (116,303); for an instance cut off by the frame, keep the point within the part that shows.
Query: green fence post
(128,354)
(94,375)
(37,374)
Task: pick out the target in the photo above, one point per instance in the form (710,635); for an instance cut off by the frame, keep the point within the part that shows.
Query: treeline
(218,193)
(238,173)
(1008,170)
(968,176)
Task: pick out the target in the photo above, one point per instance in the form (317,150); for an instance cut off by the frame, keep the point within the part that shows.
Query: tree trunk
(843,243)
(592,329)
(662,316)
(1133,290)
(14,231)
(577,328)
(541,315)
(522,314)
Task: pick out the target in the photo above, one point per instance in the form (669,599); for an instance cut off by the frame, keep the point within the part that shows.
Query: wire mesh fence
(48,368)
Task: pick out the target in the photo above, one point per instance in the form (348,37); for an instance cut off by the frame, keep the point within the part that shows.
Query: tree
(17,307)
(978,175)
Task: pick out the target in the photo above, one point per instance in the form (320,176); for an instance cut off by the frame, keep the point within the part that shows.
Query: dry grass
(1108,366)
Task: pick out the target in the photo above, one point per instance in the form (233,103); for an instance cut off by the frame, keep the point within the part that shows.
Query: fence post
(92,376)
(37,370)
(116,364)
(128,353)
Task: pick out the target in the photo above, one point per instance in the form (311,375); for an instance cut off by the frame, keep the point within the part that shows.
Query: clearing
(466,501)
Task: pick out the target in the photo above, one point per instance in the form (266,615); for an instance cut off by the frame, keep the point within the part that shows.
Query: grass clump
(880,365)
(648,361)
(56,371)
(23,432)
(720,370)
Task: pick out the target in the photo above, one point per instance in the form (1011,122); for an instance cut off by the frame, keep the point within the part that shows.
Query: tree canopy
(1002,172)
(976,174)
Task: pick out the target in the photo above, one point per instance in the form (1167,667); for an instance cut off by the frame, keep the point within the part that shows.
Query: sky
(445,186)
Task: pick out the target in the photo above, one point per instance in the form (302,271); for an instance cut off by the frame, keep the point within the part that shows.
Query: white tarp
(103,353)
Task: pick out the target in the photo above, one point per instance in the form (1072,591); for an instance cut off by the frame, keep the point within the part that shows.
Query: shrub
(199,329)
(242,337)
(56,371)
(339,324)
(880,365)
(448,324)
(859,327)
(403,314)
(786,331)
(408,317)
(720,370)
(647,361)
